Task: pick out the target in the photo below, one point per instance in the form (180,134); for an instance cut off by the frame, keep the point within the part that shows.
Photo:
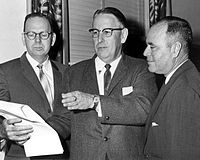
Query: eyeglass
(107,32)
(43,35)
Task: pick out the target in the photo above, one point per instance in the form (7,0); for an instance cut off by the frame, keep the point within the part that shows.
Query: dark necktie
(46,85)
(107,78)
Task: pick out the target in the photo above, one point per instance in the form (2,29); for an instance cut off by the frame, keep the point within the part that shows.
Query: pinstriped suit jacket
(173,129)
(120,132)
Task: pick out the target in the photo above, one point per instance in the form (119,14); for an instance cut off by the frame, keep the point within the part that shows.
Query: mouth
(38,48)
(101,48)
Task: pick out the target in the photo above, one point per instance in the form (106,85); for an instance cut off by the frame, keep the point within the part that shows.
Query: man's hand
(77,100)
(12,130)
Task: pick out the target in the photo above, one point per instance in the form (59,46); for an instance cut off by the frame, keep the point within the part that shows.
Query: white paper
(44,139)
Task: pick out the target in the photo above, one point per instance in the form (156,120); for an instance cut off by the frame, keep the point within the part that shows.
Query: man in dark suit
(20,83)
(173,125)
(109,106)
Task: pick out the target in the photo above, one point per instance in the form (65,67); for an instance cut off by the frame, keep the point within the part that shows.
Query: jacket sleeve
(4,92)
(61,121)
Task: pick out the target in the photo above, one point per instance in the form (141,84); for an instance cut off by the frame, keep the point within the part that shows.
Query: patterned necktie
(46,85)
(107,78)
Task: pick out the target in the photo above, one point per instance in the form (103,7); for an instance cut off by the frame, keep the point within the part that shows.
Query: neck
(177,62)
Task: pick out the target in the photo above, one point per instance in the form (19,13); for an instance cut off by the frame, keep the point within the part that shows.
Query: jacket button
(146,155)
(107,117)
(105,138)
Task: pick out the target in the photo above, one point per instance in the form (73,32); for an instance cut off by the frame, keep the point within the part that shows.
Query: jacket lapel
(57,82)
(30,75)
(119,74)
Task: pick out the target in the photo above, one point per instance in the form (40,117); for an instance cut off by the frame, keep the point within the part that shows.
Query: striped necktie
(46,85)
(107,78)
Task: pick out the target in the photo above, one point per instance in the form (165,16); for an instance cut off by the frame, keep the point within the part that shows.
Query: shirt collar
(34,63)
(100,64)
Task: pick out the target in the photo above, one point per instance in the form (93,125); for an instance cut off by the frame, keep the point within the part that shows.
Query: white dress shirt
(100,70)
(47,69)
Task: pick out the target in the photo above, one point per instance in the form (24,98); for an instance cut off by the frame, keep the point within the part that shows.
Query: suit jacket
(120,132)
(173,129)
(19,83)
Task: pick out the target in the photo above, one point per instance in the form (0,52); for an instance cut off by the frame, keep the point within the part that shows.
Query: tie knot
(107,66)
(40,66)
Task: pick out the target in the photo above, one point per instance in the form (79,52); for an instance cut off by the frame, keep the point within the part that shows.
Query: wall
(12,13)
(190,10)
(80,20)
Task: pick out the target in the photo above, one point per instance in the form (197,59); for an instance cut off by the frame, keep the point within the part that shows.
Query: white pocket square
(154,124)
(127,90)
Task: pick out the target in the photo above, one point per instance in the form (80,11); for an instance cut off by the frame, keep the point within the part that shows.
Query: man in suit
(20,83)
(173,124)
(107,120)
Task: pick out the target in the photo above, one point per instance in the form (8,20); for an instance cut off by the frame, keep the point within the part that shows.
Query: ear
(53,39)
(124,35)
(176,49)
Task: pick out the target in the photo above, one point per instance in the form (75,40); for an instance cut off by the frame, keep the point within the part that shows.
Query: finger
(69,100)
(21,128)
(13,121)
(22,142)
(17,133)
(66,95)
(70,104)
(72,108)
(19,138)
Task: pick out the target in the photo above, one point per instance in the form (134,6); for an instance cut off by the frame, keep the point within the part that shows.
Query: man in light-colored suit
(108,122)
(20,83)
(173,125)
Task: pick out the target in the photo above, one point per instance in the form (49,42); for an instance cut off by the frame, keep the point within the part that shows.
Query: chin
(151,69)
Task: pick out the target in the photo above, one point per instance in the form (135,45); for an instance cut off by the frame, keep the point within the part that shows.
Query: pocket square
(127,90)
(154,124)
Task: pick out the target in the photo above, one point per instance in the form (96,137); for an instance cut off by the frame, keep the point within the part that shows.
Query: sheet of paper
(44,140)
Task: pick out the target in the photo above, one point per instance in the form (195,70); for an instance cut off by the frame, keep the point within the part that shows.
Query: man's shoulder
(11,64)
(82,64)
(134,59)
(61,67)
(190,78)
(133,63)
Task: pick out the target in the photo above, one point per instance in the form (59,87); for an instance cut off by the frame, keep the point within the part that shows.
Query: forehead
(105,21)
(157,33)
(37,23)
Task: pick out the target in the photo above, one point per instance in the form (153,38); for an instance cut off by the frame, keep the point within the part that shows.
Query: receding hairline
(117,20)
(37,17)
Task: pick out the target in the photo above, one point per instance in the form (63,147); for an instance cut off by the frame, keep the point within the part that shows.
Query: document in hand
(44,139)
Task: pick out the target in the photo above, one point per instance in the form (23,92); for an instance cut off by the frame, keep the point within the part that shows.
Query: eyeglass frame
(111,31)
(35,34)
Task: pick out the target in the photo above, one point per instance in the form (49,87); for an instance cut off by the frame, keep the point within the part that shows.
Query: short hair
(180,27)
(114,11)
(48,17)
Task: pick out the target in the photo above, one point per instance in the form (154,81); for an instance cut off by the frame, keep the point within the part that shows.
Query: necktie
(107,78)
(46,85)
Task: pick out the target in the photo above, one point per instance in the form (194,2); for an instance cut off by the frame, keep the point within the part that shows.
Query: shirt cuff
(99,110)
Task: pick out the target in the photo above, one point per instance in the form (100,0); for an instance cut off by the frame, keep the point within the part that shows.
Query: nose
(100,37)
(147,51)
(37,38)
